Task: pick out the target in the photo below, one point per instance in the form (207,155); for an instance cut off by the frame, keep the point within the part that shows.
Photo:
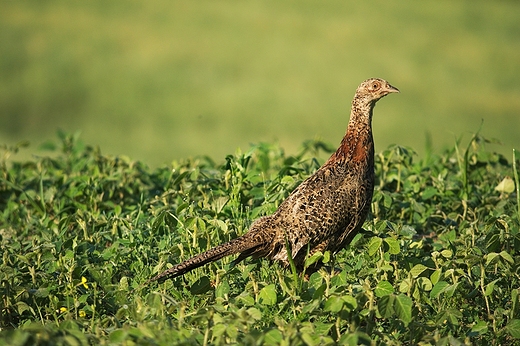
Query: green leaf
(507,185)
(232,331)
(201,286)
(447,253)
(350,302)
(417,270)
(267,295)
(416,293)
(490,287)
(407,231)
(218,329)
(393,246)
(424,283)
(374,245)
(492,243)
(350,339)
(118,336)
(333,304)
(403,308)
(513,328)
(254,313)
(22,307)
(479,328)
(326,257)
(490,257)
(140,332)
(42,292)
(385,306)
(322,328)
(287,180)
(273,337)
(246,299)
(384,288)
(436,275)
(387,200)
(355,338)
(308,340)
(220,224)
(313,259)
(222,289)
(453,316)
(438,288)
(314,305)
(405,286)
(507,257)
(450,289)
(428,193)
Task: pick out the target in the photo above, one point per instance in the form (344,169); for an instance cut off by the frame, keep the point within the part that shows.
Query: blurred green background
(161,80)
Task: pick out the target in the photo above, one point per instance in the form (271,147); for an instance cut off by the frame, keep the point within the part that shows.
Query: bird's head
(375,88)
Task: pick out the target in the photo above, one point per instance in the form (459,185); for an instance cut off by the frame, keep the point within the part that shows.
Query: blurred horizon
(160,81)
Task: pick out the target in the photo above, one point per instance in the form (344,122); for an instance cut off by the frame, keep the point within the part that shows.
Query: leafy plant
(80,232)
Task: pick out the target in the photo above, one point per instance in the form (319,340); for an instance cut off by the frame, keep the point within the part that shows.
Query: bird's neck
(357,144)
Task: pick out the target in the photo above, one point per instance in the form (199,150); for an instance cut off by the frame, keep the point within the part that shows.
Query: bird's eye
(375,86)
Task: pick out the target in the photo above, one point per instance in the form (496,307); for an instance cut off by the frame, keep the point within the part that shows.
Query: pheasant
(325,211)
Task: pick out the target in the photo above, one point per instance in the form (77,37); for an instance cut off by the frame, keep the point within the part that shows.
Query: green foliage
(80,232)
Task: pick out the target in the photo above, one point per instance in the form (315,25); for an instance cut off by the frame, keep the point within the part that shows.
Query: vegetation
(80,232)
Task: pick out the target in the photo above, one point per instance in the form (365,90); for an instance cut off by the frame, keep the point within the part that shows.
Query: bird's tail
(232,247)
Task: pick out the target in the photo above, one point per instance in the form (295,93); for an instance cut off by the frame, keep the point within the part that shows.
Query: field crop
(80,232)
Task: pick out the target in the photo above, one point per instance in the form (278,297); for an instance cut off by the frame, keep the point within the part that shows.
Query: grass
(161,80)
(80,231)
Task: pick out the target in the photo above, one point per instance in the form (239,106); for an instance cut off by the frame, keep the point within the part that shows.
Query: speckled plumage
(322,213)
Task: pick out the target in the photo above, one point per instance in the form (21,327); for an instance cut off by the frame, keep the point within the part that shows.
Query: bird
(324,212)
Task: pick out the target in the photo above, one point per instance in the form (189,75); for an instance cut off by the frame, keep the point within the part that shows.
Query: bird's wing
(318,208)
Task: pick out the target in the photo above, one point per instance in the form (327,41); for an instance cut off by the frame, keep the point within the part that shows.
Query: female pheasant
(322,213)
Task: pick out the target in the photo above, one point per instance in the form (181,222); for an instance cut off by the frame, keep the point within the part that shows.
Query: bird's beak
(391,89)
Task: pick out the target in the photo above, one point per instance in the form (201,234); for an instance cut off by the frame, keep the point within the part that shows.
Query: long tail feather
(230,248)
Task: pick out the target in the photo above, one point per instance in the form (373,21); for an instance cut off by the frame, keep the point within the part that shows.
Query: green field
(200,117)
(80,233)
(163,80)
